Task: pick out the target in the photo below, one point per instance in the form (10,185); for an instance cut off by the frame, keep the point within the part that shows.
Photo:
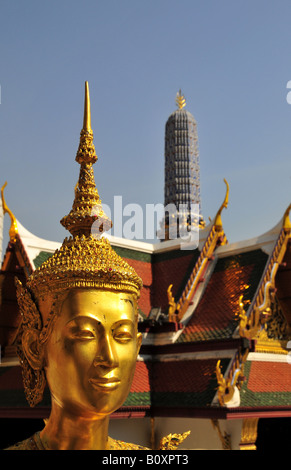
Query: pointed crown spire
(86,259)
(87,208)
(87,110)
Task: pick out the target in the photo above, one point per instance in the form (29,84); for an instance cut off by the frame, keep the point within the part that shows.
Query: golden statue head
(79,308)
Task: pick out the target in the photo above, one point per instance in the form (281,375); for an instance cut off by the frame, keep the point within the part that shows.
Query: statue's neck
(68,431)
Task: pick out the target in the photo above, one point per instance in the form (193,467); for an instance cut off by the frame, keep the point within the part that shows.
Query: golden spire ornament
(180,100)
(87,207)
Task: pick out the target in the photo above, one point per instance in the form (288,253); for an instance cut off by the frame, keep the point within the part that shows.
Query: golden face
(91,353)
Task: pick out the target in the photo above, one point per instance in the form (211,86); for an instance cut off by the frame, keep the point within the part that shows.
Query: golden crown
(85,259)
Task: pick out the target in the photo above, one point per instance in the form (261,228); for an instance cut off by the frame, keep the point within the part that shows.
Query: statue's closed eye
(122,336)
(78,333)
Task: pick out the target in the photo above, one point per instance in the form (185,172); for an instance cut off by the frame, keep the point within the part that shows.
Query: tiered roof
(176,374)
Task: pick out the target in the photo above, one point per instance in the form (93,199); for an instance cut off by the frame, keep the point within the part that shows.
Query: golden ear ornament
(33,379)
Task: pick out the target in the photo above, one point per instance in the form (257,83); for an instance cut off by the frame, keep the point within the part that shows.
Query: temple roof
(232,276)
(177,371)
(266,384)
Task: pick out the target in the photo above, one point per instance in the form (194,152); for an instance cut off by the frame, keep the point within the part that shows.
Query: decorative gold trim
(172,441)
(250,326)
(259,312)
(235,377)
(180,100)
(275,334)
(249,434)
(13,231)
(286,219)
(218,220)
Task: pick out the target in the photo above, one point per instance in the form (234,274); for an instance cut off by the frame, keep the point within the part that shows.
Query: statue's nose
(106,355)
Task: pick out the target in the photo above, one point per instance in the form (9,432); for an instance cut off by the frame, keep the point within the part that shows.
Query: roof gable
(214,317)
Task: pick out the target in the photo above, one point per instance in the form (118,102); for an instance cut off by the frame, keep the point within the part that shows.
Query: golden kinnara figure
(79,331)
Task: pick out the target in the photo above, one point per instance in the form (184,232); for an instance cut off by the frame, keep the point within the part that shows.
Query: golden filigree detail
(260,311)
(173,307)
(250,326)
(13,231)
(286,220)
(273,337)
(172,441)
(180,100)
(34,380)
(84,262)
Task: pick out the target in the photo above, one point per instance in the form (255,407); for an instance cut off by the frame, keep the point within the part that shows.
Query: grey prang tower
(182,171)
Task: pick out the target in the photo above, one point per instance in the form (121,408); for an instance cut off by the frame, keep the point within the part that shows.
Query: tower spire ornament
(180,100)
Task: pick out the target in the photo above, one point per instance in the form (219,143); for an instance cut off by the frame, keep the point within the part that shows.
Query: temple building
(215,357)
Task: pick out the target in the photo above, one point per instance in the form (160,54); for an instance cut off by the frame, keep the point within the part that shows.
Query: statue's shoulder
(32,443)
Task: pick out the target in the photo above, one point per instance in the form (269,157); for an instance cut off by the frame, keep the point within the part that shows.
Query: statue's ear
(32,348)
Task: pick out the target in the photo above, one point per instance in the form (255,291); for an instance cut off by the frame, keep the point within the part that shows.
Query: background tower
(182,171)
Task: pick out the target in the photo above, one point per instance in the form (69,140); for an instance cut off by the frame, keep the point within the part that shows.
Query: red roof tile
(141,382)
(183,376)
(270,377)
(173,376)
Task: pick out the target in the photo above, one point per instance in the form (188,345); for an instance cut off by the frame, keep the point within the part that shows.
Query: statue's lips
(104,384)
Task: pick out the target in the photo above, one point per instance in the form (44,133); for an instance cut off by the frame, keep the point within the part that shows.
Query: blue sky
(232,60)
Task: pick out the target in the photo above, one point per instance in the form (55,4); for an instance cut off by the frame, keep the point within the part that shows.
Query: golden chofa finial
(180,100)
(286,219)
(218,221)
(13,231)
